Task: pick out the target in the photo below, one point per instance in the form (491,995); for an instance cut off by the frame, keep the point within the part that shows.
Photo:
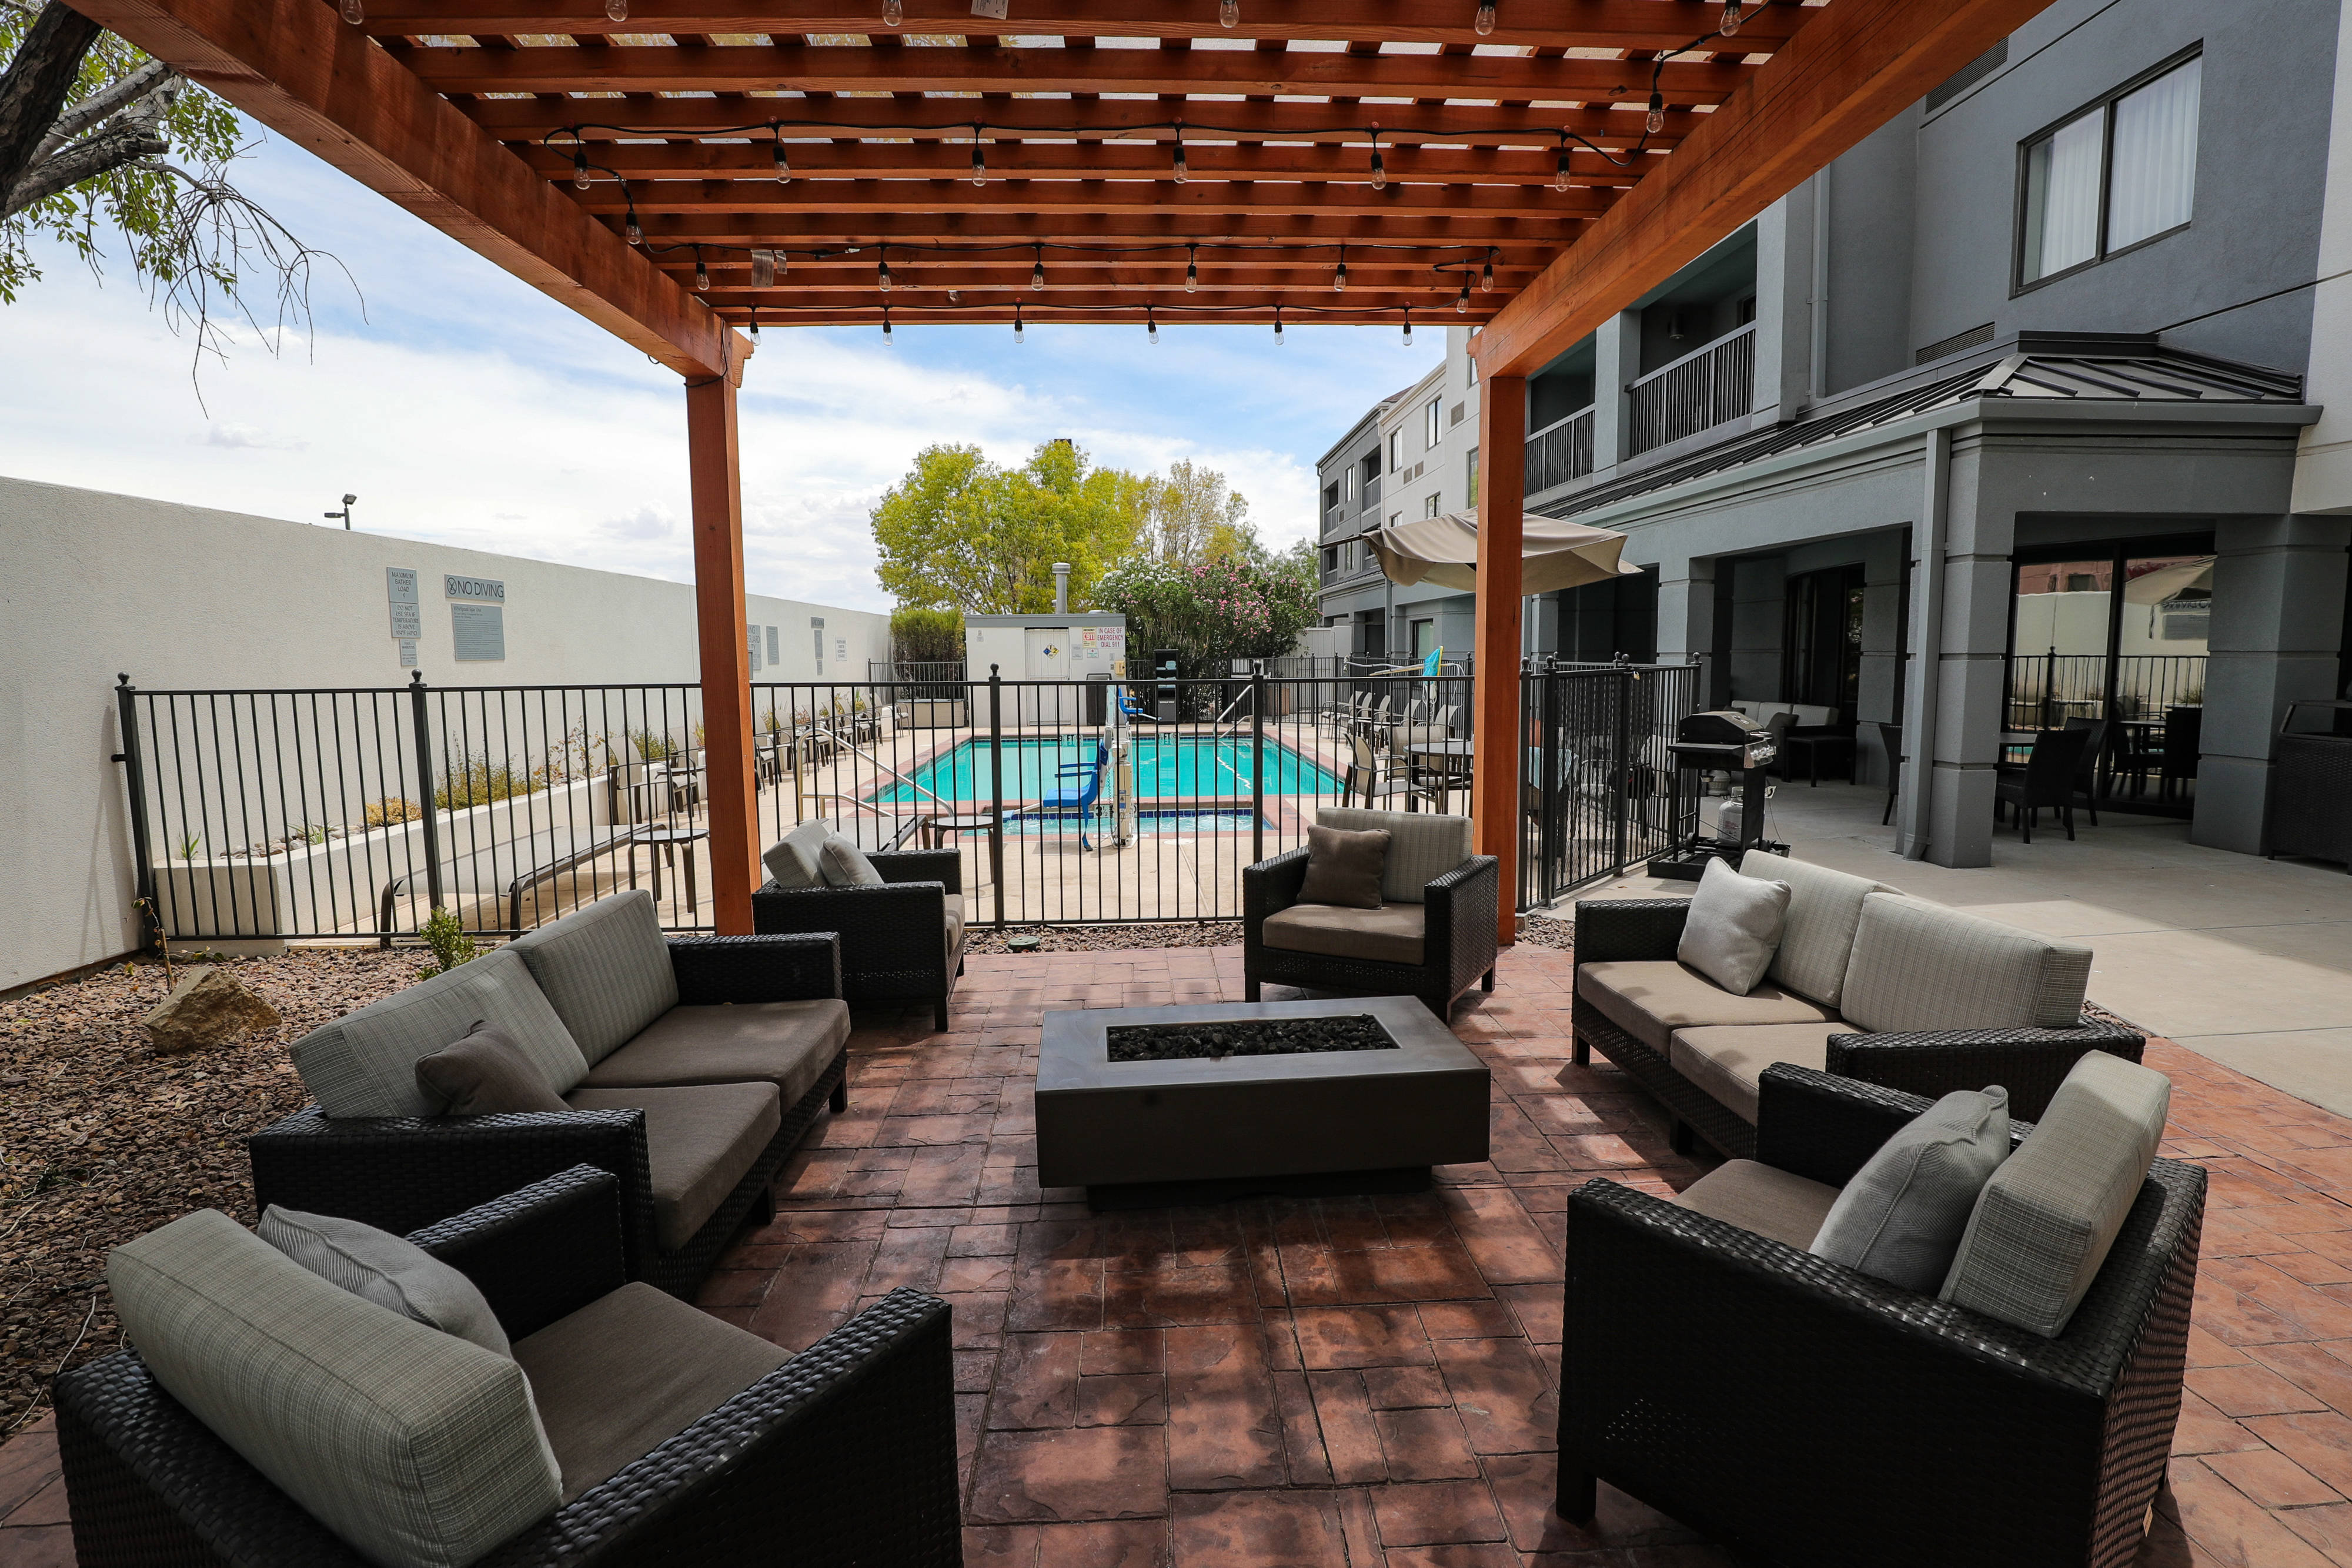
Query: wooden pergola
(679,170)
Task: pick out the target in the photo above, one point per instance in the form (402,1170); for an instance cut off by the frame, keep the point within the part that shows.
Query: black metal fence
(2047,689)
(355,812)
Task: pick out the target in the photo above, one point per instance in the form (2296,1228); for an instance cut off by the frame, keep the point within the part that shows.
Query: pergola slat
(823,162)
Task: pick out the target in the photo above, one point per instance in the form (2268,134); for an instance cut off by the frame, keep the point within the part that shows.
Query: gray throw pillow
(1734,927)
(390,1271)
(1344,868)
(845,865)
(792,862)
(1901,1217)
(482,1073)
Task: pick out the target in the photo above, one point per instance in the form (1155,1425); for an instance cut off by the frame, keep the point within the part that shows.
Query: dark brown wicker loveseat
(1437,927)
(900,942)
(400,1172)
(1854,950)
(844,1454)
(1802,1413)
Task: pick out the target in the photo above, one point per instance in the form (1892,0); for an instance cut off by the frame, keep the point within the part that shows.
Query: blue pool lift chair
(1083,788)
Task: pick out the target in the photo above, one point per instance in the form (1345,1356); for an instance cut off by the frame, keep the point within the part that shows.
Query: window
(1351,481)
(2122,172)
(1471,470)
(1396,450)
(1331,559)
(1429,505)
(1330,494)
(1429,428)
(1473,380)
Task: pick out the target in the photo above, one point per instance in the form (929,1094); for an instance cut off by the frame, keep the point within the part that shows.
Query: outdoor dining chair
(2046,778)
(1368,778)
(2184,735)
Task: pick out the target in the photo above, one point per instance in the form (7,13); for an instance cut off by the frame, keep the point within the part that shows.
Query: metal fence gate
(355,812)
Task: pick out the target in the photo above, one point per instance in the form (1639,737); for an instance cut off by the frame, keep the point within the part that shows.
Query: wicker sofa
(1867,984)
(1800,1412)
(901,942)
(708,1446)
(692,1067)
(1434,936)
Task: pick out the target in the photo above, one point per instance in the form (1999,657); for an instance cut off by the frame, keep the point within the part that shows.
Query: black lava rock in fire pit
(1246,1036)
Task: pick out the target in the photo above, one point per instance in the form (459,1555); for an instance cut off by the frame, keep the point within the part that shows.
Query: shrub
(478,781)
(384,813)
(450,945)
(926,636)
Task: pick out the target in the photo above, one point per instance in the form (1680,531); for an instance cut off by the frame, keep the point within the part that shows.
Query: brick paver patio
(1369,1383)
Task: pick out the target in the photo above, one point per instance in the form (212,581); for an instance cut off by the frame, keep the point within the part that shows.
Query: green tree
(95,136)
(926,636)
(960,532)
(1248,604)
(1192,517)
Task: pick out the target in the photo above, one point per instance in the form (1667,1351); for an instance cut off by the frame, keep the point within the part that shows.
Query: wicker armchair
(901,942)
(400,1173)
(2030,1062)
(1799,1411)
(846,1455)
(1458,938)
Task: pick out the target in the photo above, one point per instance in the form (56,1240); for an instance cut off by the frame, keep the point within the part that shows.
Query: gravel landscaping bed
(982,939)
(102,1140)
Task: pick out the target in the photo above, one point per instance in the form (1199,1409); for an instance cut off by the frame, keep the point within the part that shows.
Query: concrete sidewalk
(2244,960)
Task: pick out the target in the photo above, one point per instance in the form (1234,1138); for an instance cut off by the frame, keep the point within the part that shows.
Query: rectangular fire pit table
(1304,1120)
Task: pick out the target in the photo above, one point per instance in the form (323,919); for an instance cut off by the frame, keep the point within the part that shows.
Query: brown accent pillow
(482,1073)
(1344,868)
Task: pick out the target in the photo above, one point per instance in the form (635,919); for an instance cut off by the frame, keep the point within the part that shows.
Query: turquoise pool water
(1166,768)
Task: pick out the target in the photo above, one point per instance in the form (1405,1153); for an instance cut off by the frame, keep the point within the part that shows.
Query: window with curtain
(2122,172)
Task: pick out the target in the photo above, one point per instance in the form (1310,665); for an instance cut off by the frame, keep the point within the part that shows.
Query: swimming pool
(1188,767)
(1179,819)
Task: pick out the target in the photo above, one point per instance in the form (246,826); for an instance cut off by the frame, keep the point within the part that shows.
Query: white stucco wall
(94,584)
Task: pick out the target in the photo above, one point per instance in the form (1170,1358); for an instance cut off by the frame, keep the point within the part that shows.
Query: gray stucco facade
(1921,422)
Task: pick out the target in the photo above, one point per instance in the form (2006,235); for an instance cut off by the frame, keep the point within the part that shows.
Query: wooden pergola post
(1495,703)
(716,481)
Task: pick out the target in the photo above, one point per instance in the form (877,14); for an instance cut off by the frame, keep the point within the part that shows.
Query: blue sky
(465,407)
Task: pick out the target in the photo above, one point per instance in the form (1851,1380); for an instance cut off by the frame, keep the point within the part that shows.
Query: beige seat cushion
(789,1045)
(629,1371)
(364,1063)
(604,968)
(1919,966)
(1651,998)
(1758,1198)
(1817,940)
(955,929)
(1388,934)
(700,1142)
(1423,846)
(1727,1060)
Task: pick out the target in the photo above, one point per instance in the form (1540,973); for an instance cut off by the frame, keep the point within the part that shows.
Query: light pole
(345,513)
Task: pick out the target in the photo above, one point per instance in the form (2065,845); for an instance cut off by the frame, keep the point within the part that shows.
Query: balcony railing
(1371,490)
(1561,452)
(1696,392)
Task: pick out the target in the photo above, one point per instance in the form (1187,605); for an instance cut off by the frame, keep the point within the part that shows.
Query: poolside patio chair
(1077,798)
(2047,778)
(2184,734)
(1368,778)
(902,939)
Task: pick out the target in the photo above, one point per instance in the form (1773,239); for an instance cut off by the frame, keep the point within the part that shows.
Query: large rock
(207,1007)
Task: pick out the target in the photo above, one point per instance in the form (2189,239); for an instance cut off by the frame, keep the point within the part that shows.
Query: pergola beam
(296,67)
(759,199)
(1851,69)
(822,164)
(1468,236)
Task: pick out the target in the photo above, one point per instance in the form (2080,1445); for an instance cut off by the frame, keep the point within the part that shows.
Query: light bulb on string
(882,270)
(1462,301)
(1016,322)
(755,324)
(1559,180)
(1657,120)
(979,161)
(354,12)
(580,180)
(1380,164)
(1229,13)
(630,230)
(1485,21)
(1408,327)
(701,274)
(1152,325)
(1730,18)
(1487,275)
(1037,273)
(1184,169)
(617,10)
(1277,326)
(893,13)
(1340,278)
(784,164)
(886,327)
(1192,269)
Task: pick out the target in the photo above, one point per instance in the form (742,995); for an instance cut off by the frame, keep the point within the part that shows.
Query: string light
(886,327)
(1152,325)
(630,230)
(893,13)
(1016,321)
(701,273)
(1229,13)
(1183,170)
(1037,273)
(1340,278)
(1657,120)
(579,168)
(1192,269)
(1462,301)
(1559,181)
(1730,18)
(1485,21)
(1380,164)
(784,164)
(1277,326)
(354,12)
(1487,273)
(979,162)
(617,10)
(882,270)
(1408,325)
(755,324)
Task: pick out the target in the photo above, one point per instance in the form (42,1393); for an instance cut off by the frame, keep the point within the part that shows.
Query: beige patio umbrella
(1444,551)
(2170,581)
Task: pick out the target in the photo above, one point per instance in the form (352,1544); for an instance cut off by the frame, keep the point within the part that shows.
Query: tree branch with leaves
(90,130)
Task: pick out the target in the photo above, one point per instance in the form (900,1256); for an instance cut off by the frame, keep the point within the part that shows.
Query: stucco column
(1616,360)
(1759,590)
(1961,646)
(2277,624)
(1686,618)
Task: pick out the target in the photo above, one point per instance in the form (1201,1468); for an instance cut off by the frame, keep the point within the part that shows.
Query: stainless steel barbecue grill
(1735,744)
